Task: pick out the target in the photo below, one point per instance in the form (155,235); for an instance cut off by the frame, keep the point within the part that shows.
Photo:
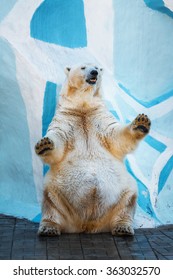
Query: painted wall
(133,41)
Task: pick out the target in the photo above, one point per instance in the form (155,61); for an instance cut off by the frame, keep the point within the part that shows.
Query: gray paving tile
(19,240)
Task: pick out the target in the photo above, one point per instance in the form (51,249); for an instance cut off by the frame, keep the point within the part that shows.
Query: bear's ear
(67,70)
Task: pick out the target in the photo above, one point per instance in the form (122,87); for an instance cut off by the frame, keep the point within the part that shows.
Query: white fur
(86,164)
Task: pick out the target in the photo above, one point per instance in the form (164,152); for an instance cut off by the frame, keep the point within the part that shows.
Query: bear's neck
(82,100)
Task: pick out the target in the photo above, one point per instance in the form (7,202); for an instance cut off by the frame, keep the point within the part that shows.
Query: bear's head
(82,79)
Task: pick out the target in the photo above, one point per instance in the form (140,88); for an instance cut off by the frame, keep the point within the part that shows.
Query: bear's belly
(92,186)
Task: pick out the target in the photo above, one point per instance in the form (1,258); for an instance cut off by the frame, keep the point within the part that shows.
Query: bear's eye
(96,67)
(101,69)
(83,68)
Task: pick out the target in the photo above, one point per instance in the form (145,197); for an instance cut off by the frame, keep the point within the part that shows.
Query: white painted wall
(133,44)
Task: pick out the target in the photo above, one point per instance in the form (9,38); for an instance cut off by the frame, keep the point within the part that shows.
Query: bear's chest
(85,131)
(84,124)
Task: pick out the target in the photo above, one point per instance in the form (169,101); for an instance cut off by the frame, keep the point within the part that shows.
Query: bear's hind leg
(123,214)
(118,219)
(57,214)
(123,229)
(48,227)
(51,218)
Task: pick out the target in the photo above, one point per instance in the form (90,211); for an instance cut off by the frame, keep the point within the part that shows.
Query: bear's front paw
(43,146)
(141,123)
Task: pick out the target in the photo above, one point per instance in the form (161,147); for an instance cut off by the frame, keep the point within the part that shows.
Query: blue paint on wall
(144,195)
(17,188)
(51,97)
(148,104)
(159,146)
(143,55)
(114,113)
(163,125)
(49,106)
(159,5)
(164,174)
(5,8)
(37,218)
(60,22)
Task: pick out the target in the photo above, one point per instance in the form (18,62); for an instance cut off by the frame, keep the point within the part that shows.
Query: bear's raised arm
(53,146)
(122,139)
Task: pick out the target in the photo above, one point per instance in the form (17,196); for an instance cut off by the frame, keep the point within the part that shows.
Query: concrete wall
(133,41)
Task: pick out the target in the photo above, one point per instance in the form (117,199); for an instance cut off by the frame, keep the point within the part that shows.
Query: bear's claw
(142,123)
(122,229)
(44,145)
(48,231)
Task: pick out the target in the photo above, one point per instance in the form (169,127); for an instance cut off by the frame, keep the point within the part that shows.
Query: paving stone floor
(19,240)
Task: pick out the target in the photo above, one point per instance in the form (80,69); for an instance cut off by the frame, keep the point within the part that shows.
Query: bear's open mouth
(91,81)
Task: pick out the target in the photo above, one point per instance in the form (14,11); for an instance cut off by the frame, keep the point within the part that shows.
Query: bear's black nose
(94,72)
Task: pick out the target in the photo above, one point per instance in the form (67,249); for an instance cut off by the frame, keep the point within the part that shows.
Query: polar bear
(88,188)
